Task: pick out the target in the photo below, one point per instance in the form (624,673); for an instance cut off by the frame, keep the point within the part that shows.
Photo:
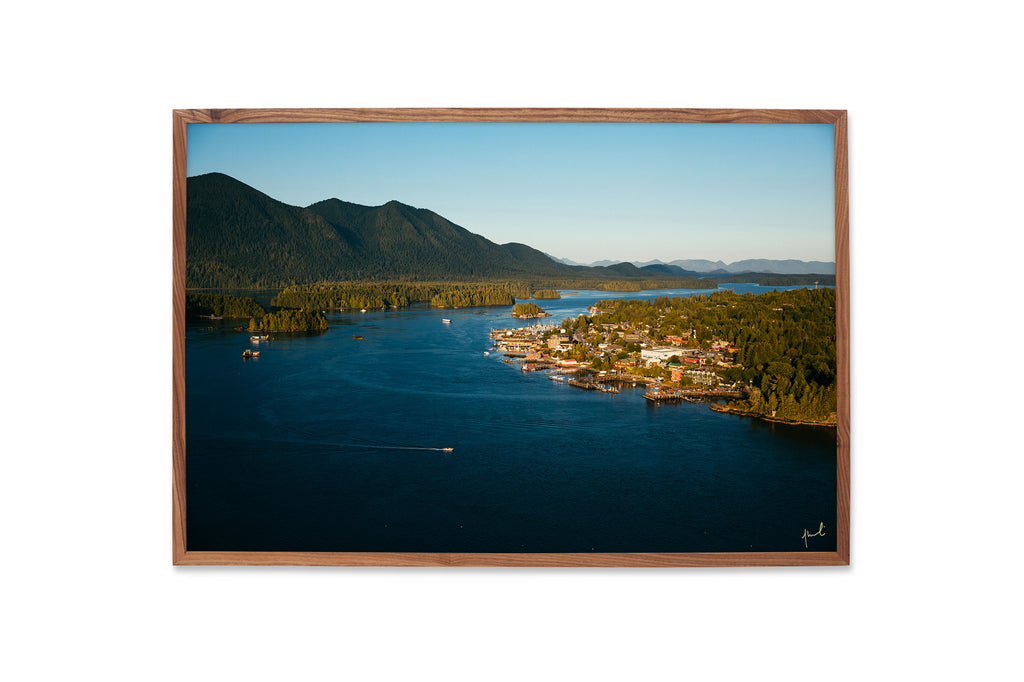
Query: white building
(658,353)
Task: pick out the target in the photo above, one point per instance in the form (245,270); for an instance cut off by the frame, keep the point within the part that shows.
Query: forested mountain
(237,236)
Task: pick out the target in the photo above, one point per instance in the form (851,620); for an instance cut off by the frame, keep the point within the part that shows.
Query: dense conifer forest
(290,321)
(376,295)
(527,310)
(218,305)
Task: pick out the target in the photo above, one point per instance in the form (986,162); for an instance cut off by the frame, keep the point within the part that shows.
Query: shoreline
(726,409)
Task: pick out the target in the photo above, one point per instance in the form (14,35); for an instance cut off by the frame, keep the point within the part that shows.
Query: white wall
(85,489)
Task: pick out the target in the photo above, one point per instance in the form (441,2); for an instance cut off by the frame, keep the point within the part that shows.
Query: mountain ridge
(239,237)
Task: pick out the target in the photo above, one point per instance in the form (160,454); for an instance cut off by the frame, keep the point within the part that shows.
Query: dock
(592,385)
(690,395)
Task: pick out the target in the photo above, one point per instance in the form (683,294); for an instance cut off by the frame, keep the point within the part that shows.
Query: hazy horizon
(668,261)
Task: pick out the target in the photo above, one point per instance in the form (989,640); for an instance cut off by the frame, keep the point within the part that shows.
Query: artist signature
(820,533)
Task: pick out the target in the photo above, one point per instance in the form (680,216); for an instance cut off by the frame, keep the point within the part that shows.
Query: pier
(592,385)
(691,395)
(621,379)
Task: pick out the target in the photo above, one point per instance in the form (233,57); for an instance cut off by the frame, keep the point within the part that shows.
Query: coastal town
(770,356)
(603,356)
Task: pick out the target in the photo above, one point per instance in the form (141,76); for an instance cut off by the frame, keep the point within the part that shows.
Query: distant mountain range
(238,237)
(708,267)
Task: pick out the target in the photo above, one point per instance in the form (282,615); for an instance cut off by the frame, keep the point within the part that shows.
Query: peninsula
(773,354)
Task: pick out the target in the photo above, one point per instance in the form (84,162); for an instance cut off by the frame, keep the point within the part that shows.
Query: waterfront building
(558,340)
(512,344)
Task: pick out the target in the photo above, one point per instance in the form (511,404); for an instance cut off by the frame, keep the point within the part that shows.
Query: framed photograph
(511,337)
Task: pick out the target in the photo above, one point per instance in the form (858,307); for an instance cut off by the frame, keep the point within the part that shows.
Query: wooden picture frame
(182,554)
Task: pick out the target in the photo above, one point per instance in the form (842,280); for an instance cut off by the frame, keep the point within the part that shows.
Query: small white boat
(363,310)
(446,320)
(487,352)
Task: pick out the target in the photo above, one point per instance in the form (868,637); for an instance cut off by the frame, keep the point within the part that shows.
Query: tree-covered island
(220,306)
(376,295)
(290,321)
(525,311)
(215,306)
(379,295)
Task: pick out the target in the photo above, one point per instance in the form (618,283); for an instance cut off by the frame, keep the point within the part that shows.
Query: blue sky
(583,191)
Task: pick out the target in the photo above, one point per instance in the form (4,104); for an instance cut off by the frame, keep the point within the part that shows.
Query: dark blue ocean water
(322,444)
